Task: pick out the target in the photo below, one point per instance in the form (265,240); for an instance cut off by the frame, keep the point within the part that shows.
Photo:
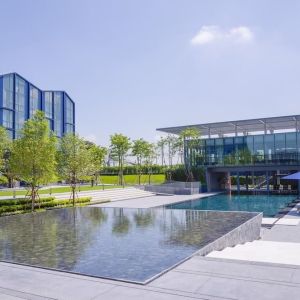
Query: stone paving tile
(13,294)
(31,281)
(123,293)
(223,268)
(180,281)
(248,290)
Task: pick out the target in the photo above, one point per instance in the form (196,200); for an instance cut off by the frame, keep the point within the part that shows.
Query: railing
(269,159)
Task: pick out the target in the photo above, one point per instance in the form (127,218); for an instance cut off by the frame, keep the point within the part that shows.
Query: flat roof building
(20,99)
(264,145)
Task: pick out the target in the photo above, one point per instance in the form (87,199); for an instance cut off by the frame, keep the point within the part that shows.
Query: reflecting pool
(116,243)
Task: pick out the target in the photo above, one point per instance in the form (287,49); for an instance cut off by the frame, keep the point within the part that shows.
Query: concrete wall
(175,187)
(217,181)
(247,232)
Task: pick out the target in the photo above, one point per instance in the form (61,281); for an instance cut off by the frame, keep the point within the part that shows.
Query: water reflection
(54,238)
(121,224)
(127,244)
(144,218)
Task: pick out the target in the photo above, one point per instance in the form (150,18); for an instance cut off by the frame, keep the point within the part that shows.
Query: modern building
(265,147)
(20,99)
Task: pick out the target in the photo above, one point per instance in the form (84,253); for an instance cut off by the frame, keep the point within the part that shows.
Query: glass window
(20,103)
(291,142)
(280,143)
(258,145)
(50,123)
(8,90)
(269,146)
(228,146)
(249,142)
(69,111)
(69,128)
(48,105)
(34,100)
(58,113)
(7,116)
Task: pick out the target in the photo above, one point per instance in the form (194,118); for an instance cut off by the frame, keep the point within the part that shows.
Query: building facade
(20,99)
(266,147)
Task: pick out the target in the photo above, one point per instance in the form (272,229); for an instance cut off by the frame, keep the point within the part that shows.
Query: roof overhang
(273,124)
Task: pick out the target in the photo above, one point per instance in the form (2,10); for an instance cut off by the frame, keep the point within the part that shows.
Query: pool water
(133,245)
(270,205)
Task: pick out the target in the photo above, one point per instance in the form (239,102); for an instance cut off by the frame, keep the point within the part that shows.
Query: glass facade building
(264,141)
(20,99)
(277,148)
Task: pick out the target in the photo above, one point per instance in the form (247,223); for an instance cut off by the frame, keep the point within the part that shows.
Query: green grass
(105,179)
(133,179)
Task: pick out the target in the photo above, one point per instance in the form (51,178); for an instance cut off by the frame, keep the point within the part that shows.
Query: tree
(5,145)
(74,160)
(5,149)
(33,155)
(189,139)
(139,150)
(98,154)
(172,143)
(161,145)
(120,145)
(149,157)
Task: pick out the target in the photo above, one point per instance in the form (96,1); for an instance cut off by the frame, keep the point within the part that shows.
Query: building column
(278,178)
(268,181)
(247,185)
(238,182)
(252,175)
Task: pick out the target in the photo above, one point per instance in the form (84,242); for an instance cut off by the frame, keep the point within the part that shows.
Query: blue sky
(134,65)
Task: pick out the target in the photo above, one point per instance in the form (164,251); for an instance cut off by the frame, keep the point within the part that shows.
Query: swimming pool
(133,245)
(268,205)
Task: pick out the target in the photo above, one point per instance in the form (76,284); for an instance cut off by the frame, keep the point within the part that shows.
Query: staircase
(109,194)
(262,251)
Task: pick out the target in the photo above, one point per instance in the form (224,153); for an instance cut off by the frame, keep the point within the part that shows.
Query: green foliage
(74,160)
(119,147)
(3,180)
(133,170)
(21,205)
(133,179)
(179,174)
(33,154)
(239,157)
(22,201)
(189,137)
(98,155)
(5,147)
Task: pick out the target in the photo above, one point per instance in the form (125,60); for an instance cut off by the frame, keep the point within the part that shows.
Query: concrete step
(112,195)
(262,251)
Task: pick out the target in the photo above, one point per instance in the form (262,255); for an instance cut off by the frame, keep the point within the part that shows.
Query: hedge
(133,170)
(49,202)
(23,201)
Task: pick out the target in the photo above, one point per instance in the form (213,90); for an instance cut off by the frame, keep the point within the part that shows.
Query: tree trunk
(32,197)
(73,194)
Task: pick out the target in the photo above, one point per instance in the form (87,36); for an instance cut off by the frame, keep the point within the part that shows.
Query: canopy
(295,176)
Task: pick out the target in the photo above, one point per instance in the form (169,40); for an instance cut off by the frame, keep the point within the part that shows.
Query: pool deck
(197,278)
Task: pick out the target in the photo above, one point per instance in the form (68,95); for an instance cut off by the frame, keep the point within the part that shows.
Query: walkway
(114,194)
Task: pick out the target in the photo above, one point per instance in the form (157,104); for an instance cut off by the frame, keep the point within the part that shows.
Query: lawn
(106,179)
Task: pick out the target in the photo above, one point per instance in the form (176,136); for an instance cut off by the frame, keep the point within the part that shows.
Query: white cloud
(211,34)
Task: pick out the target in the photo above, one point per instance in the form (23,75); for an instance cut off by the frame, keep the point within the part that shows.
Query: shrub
(21,205)
(179,174)
(22,201)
